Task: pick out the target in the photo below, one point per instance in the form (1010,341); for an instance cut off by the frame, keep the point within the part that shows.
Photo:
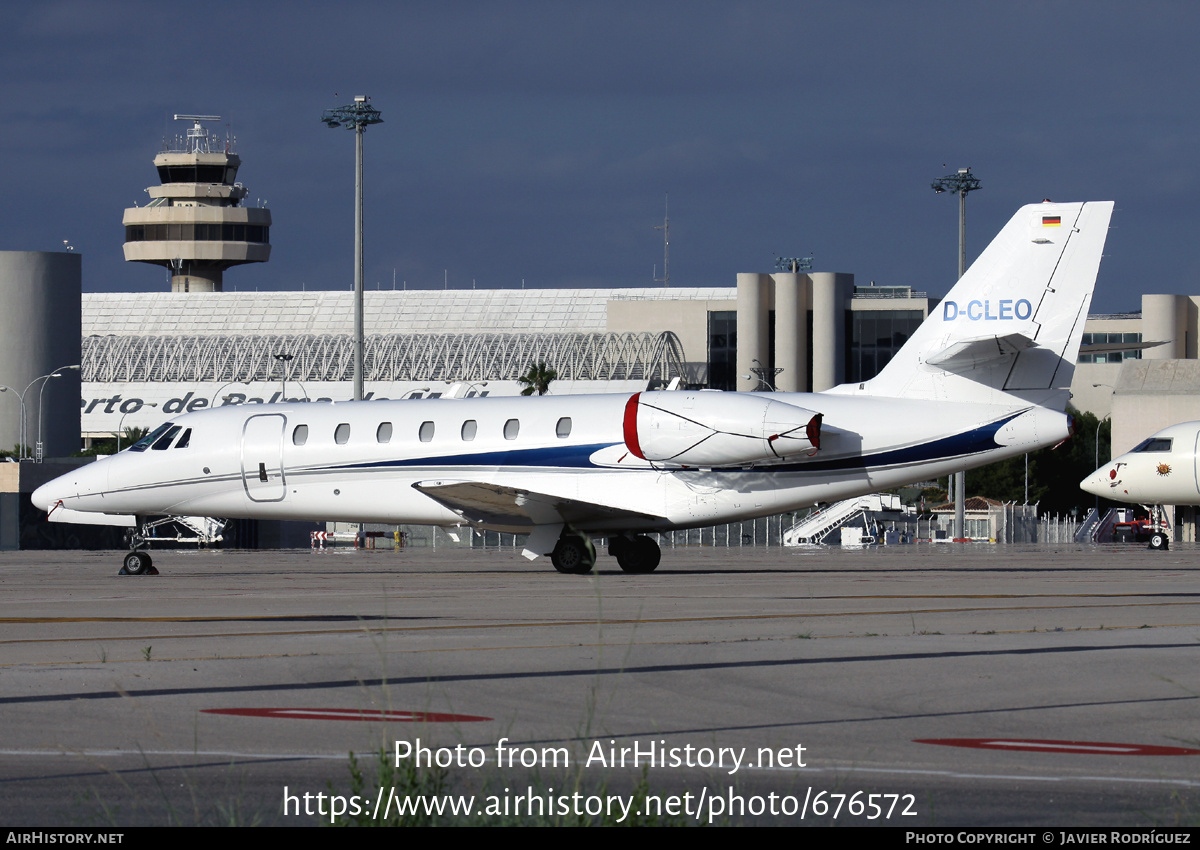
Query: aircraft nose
(70,489)
(1098,483)
(45,496)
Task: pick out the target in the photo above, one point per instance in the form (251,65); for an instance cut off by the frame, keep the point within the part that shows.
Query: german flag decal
(1051,221)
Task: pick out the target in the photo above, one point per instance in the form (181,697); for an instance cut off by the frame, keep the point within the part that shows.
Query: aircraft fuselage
(388,461)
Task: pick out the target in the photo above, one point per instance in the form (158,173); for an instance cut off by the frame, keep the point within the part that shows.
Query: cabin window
(1155,444)
(468,430)
(383,434)
(164,442)
(341,436)
(511,428)
(300,435)
(148,440)
(426,432)
(185,439)
(563,428)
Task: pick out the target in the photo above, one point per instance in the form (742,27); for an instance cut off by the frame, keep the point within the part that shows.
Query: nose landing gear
(138,562)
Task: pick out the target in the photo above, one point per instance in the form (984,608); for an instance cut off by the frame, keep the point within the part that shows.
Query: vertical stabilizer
(1012,324)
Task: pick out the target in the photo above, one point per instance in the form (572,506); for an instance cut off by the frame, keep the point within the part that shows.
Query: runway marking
(1042,746)
(1195,597)
(558,623)
(361,714)
(620,644)
(651,669)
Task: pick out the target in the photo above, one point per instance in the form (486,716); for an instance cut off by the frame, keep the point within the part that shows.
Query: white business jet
(984,378)
(1160,470)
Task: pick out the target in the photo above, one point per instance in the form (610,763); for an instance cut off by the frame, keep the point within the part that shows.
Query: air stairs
(1087,529)
(819,526)
(205,531)
(1100,528)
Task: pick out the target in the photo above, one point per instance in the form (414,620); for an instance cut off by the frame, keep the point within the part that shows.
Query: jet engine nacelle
(718,429)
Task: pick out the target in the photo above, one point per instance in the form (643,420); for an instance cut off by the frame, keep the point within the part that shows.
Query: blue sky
(536,141)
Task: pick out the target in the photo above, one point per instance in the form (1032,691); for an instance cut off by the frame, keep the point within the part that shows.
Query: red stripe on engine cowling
(631,435)
(813,430)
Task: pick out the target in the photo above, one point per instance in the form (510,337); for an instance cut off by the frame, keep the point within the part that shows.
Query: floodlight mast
(961,183)
(356,116)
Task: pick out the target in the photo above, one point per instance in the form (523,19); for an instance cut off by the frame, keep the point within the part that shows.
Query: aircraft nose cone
(74,489)
(1097,484)
(43,497)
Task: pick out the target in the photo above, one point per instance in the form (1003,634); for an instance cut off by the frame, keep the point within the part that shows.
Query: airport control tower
(194,224)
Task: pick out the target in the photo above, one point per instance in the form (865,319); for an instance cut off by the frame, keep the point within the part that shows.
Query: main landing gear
(576,554)
(637,554)
(138,562)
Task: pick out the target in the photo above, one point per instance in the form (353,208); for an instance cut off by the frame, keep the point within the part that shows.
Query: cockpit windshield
(1155,444)
(148,440)
(164,442)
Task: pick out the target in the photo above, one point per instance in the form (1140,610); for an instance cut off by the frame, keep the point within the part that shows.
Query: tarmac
(920,685)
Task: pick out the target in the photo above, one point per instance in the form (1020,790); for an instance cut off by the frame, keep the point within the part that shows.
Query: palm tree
(537,379)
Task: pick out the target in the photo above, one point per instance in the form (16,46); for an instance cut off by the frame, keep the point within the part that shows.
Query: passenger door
(262,457)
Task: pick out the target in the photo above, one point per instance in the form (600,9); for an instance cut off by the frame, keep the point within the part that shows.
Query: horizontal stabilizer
(513,507)
(964,355)
(1114,347)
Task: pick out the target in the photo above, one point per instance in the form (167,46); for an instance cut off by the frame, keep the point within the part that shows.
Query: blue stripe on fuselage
(570,457)
(978,440)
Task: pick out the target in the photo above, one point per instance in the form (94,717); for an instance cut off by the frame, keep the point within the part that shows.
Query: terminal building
(150,356)
(147,357)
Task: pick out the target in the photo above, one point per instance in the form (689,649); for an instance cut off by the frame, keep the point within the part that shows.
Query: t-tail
(1009,331)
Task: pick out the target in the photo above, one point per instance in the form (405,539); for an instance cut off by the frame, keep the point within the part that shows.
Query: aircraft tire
(1159,542)
(138,563)
(640,555)
(573,555)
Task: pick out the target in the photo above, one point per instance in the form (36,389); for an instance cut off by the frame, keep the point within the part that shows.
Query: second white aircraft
(1161,470)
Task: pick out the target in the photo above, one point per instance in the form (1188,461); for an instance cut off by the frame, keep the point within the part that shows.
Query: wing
(516,510)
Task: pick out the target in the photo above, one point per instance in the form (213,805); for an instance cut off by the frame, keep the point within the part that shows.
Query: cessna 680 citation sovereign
(985,377)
